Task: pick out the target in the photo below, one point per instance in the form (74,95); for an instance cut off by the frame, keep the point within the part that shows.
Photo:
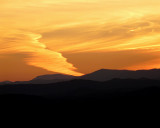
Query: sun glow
(49,34)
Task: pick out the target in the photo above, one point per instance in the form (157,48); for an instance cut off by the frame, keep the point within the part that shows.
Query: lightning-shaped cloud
(38,54)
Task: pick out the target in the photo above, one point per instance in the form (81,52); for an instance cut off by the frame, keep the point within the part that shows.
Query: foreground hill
(84,92)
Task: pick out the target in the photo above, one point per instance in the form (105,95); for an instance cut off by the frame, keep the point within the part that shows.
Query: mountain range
(101,90)
(108,74)
(100,75)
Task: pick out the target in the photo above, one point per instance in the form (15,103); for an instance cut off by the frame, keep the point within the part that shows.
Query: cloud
(142,33)
(135,35)
(38,54)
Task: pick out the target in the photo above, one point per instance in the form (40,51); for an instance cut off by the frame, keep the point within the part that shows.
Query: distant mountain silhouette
(108,74)
(5,82)
(103,90)
(51,78)
(100,75)
(44,79)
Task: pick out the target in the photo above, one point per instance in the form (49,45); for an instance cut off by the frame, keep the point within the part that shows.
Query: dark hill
(107,74)
(116,91)
(100,75)
(46,79)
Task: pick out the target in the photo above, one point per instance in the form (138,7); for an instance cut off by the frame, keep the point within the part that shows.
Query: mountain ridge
(99,75)
(108,74)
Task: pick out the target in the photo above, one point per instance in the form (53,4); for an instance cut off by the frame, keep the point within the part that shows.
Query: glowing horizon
(77,36)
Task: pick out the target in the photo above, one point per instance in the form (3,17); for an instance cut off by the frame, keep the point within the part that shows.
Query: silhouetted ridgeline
(100,75)
(108,74)
(115,92)
(112,89)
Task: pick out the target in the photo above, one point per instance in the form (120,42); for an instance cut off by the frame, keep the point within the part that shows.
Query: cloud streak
(38,54)
(142,33)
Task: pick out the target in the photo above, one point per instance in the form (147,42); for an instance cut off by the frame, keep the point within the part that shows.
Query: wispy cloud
(142,33)
(38,54)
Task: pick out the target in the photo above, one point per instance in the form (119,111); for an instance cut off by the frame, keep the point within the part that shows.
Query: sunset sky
(77,36)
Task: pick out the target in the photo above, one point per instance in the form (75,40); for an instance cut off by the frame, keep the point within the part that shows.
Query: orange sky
(77,36)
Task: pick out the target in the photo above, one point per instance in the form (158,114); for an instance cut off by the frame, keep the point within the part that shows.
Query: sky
(77,37)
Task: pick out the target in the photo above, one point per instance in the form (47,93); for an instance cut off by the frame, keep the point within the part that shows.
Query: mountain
(108,74)
(43,79)
(51,78)
(83,95)
(115,92)
(46,79)
(5,82)
(100,75)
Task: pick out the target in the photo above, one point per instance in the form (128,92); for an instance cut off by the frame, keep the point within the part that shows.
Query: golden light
(49,34)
